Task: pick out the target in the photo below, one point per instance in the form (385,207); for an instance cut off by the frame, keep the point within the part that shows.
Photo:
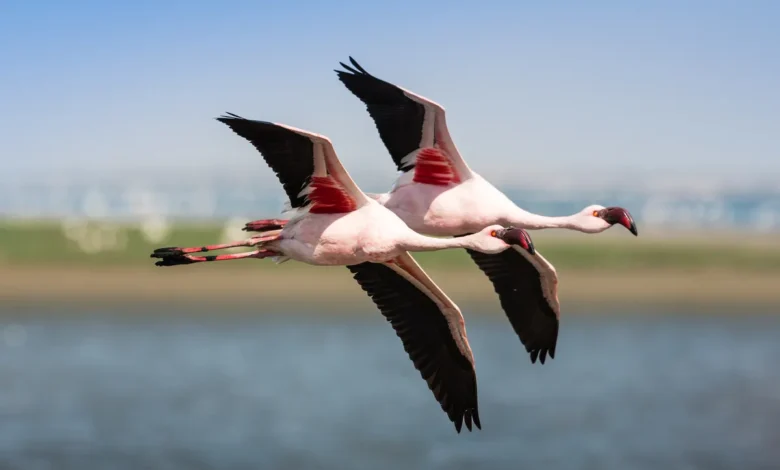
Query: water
(235,392)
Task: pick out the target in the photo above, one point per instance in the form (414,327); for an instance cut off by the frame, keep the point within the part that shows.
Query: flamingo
(331,222)
(437,193)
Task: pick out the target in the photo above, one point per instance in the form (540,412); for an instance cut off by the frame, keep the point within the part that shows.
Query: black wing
(398,118)
(427,338)
(519,287)
(289,154)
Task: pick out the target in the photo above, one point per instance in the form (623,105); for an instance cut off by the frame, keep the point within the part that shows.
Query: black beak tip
(633,230)
(529,243)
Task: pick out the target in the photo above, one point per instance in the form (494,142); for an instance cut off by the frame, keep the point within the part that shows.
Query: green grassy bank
(44,262)
(46,244)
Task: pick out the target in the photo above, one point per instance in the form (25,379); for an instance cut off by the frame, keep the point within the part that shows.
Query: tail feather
(264,225)
(294,213)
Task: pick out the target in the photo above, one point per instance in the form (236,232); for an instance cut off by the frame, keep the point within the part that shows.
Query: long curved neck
(531,221)
(418,242)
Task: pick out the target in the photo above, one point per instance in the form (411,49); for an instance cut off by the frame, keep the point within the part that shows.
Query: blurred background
(668,352)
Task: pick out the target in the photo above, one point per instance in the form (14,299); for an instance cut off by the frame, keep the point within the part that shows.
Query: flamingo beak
(618,215)
(519,237)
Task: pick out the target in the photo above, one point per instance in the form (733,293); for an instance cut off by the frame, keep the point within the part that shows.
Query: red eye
(493,233)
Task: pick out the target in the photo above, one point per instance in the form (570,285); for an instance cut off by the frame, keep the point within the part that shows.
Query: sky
(583,88)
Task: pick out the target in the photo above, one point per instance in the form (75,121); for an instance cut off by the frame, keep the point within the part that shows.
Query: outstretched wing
(432,331)
(305,163)
(413,128)
(527,287)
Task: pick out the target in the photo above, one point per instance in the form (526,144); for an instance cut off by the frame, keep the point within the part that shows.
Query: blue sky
(578,86)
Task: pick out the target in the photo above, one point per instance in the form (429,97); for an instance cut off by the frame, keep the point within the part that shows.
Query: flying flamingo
(332,222)
(438,194)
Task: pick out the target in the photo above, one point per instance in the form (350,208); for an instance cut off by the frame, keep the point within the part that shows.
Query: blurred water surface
(98,391)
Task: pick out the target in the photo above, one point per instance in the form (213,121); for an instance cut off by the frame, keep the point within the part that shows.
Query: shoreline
(618,289)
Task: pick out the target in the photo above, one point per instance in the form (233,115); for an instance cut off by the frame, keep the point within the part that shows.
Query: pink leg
(174,250)
(177,259)
(264,224)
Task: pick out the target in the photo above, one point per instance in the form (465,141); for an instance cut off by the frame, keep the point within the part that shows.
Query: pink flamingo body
(331,222)
(438,194)
(436,191)
(439,210)
(371,233)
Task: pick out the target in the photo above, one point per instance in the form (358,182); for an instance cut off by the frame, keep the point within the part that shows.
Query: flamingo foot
(173,260)
(171,251)
(264,225)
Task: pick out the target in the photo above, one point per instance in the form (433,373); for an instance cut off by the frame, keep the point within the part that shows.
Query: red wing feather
(327,196)
(433,166)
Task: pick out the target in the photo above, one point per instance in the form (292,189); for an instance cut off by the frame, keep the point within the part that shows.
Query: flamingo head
(497,238)
(595,219)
